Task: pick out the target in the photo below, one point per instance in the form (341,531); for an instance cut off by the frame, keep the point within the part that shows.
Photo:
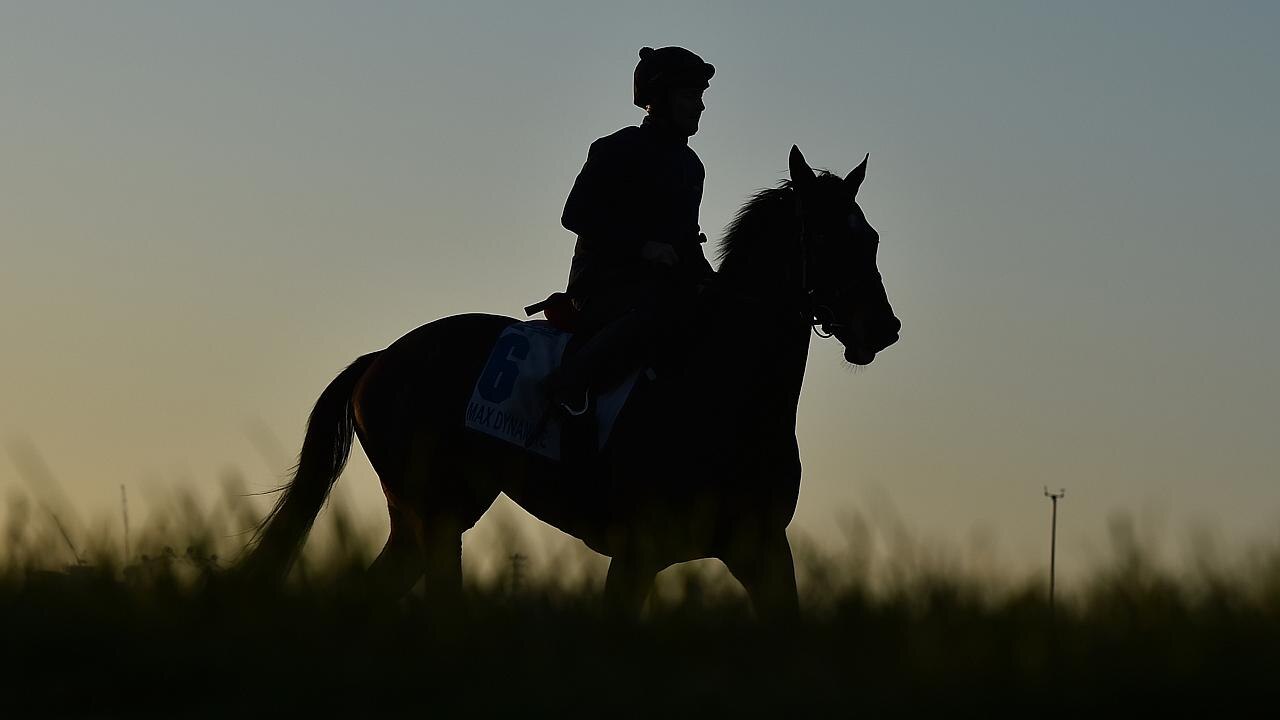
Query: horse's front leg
(627,585)
(766,569)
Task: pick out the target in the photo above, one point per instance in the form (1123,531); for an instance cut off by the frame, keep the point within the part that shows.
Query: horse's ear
(801,173)
(857,175)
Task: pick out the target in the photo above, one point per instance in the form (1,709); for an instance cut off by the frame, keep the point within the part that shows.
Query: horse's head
(838,250)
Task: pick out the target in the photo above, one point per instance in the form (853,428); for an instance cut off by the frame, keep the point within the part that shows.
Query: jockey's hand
(659,252)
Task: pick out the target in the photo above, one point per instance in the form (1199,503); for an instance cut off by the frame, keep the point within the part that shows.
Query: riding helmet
(665,68)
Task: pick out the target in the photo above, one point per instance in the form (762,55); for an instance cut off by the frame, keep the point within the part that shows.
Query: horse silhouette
(705,464)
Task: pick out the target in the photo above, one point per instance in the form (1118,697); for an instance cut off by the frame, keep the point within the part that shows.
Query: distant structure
(124,509)
(517,572)
(1053,540)
(67,538)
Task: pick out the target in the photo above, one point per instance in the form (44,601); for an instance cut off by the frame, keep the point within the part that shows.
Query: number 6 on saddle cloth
(510,399)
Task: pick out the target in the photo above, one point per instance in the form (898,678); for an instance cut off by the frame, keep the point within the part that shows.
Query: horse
(704,465)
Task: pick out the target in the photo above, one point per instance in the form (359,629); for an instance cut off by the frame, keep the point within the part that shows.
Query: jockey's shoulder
(630,133)
(633,143)
(627,139)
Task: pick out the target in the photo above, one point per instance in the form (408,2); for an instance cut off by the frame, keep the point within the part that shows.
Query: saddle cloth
(510,398)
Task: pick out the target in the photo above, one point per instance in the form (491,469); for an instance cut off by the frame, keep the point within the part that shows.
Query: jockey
(634,207)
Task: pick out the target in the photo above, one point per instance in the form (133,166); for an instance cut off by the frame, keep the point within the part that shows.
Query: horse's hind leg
(399,565)
(440,539)
(453,495)
(766,569)
(627,585)
(437,494)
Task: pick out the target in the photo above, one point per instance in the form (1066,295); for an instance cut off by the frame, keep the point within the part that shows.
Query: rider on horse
(634,206)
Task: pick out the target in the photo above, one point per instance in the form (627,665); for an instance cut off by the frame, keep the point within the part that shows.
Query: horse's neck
(782,340)
(765,335)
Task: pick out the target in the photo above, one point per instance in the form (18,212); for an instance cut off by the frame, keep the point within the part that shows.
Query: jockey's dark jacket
(638,184)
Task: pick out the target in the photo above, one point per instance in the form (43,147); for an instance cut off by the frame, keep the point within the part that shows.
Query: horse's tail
(280,535)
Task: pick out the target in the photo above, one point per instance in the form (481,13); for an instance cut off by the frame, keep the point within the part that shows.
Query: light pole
(124,510)
(1053,540)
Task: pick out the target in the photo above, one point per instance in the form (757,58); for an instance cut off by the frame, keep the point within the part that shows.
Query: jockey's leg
(605,358)
(631,318)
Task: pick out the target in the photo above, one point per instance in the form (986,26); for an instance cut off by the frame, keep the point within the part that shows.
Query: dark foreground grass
(171,637)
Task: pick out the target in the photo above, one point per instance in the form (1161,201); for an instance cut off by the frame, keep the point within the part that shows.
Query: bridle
(816,304)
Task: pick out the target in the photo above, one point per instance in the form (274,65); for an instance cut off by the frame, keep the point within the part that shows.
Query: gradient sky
(208,209)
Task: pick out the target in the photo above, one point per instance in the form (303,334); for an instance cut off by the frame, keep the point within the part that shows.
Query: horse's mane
(757,219)
(752,219)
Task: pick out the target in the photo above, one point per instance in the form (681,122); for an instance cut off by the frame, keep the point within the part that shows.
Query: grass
(167,636)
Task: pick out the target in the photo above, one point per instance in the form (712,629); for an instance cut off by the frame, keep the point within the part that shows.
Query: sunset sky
(208,209)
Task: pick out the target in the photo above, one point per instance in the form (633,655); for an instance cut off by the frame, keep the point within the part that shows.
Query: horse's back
(422,381)
(472,332)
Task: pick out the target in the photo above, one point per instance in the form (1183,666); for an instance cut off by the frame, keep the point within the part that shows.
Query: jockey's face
(681,108)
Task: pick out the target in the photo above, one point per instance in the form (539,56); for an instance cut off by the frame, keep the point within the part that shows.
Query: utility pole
(517,572)
(124,509)
(1053,541)
(67,539)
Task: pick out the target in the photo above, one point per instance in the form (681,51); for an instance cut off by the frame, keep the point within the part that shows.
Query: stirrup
(575,412)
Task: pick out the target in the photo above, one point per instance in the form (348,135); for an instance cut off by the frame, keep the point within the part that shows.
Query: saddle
(510,400)
(513,390)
